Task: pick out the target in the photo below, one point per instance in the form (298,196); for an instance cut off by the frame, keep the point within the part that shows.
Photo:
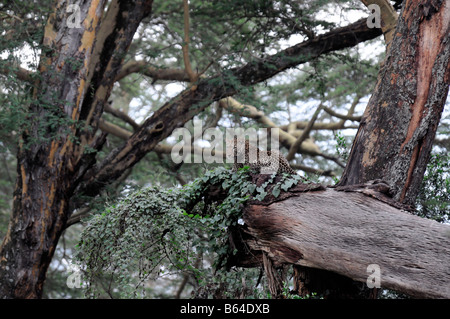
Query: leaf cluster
(155,232)
(433,200)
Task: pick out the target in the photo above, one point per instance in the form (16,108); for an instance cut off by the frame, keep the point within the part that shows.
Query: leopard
(262,162)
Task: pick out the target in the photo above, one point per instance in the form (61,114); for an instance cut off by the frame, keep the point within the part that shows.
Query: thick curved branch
(114,129)
(78,216)
(121,115)
(341,116)
(188,103)
(155,73)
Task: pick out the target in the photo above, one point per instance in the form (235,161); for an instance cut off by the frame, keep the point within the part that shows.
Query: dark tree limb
(190,102)
(121,115)
(296,145)
(151,71)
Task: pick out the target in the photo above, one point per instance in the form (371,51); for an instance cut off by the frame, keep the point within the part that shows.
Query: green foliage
(284,183)
(14,100)
(342,148)
(22,23)
(240,28)
(287,294)
(433,200)
(120,239)
(156,231)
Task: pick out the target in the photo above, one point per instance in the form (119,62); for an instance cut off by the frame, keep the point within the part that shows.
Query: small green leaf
(261,195)
(260,189)
(288,184)
(226,184)
(276,191)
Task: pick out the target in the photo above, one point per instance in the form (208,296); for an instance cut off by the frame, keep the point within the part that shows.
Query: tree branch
(185,47)
(342,117)
(316,171)
(78,215)
(188,103)
(112,43)
(296,145)
(328,126)
(21,73)
(114,129)
(250,111)
(121,115)
(153,72)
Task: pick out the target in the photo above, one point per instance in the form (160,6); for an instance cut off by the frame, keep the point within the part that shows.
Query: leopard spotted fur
(265,162)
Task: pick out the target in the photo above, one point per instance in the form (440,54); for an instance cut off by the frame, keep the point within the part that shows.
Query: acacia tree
(58,162)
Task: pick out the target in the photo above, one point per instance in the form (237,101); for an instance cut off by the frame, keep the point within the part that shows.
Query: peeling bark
(397,130)
(43,188)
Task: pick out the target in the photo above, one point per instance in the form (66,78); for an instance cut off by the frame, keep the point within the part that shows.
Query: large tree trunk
(396,133)
(43,184)
(350,233)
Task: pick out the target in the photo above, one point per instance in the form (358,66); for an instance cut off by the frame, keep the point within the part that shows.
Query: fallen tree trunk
(345,232)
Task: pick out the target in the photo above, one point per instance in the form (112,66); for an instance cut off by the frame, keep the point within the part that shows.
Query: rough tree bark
(397,130)
(344,233)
